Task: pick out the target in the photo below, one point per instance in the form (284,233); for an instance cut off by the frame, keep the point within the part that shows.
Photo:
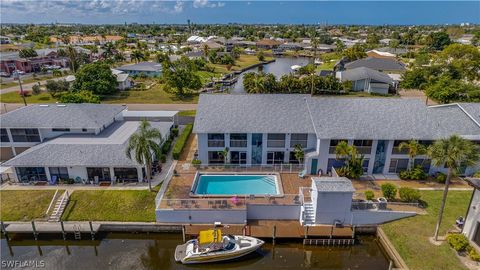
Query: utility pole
(16,75)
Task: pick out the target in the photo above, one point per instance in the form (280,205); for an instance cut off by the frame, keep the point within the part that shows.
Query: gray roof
(83,115)
(333,184)
(393,50)
(142,66)
(472,109)
(105,149)
(362,73)
(377,64)
(252,113)
(333,117)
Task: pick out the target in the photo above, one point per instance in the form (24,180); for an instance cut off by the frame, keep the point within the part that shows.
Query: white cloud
(207,4)
(178,7)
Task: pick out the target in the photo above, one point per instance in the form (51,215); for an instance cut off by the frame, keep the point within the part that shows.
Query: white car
(4,74)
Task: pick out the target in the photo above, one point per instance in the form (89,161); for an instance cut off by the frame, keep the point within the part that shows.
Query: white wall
(372,217)
(258,211)
(77,171)
(199,216)
(473,216)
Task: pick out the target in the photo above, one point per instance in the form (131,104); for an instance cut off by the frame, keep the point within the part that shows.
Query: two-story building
(264,129)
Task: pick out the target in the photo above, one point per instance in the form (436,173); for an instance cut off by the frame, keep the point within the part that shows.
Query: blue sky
(208,11)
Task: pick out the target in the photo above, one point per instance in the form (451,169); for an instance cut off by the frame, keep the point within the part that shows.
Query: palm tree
(137,56)
(414,149)
(144,144)
(299,153)
(453,153)
(205,51)
(224,154)
(342,150)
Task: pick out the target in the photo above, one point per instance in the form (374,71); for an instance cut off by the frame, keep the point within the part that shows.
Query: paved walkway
(6,107)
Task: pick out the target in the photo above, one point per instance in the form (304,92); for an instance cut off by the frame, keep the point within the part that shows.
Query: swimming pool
(236,184)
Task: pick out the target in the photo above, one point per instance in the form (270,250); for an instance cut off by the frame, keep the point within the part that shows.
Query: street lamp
(16,75)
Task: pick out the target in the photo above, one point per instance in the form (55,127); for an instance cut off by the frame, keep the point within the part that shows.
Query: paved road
(133,107)
(26,86)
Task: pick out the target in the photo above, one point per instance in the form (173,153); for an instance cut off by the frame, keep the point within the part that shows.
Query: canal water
(280,67)
(155,251)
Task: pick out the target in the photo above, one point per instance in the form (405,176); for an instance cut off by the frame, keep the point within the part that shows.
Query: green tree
(181,76)
(299,153)
(138,56)
(79,97)
(27,53)
(143,146)
(464,58)
(340,46)
(438,40)
(36,89)
(261,55)
(55,87)
(446,90)
(354,53)
(96,77)
(453,153)
(414,149)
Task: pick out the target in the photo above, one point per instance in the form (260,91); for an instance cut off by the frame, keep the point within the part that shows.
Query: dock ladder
(76,232)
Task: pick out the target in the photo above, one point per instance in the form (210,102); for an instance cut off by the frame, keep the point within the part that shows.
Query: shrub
(163,158)
(389,191)
(477,174)
(174,132)
(417,173)
(166,146)
(440,177)
(458,241)
(473,254)
(409,194)
(182,139)
(196,163)
(404,175)
(369,195)
(36,89)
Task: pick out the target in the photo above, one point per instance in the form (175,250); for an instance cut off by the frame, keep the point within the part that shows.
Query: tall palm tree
(414,149)
(342,150)
(453,153)
(137,56)
(205,51)
(144,144)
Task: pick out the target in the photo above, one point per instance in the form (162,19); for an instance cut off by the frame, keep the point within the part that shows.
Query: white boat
(211,246)
(295,67)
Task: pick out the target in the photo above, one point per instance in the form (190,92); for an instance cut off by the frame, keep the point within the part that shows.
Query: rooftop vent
(43,105)
(61,105)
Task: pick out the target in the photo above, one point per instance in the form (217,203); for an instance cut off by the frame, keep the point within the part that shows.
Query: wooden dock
(51,227)
(277,229)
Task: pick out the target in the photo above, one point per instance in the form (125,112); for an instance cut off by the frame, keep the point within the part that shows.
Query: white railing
(375,205)
(305,194)
(165,183)
(287,167)
(54,198)
(216,143)
(275,143)
(238,143)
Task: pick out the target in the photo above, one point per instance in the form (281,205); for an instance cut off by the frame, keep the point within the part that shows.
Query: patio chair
(302,174)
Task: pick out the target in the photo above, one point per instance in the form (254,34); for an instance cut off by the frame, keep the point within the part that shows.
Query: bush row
(406,194)
(181,141)
(460,243)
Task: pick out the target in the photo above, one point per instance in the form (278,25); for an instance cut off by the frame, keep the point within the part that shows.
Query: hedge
(181,141)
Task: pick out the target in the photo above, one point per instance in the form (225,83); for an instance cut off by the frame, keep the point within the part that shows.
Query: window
(238,157)
(424,163)
(27,174)
(333,145)
(397,165)
(25,135)
(275,157)
(59,172)
(276,140)
(4,135)
(426,143)
(216,140)
(292,159)
(238,140)
(60,129)
(363,146)
(300,139)
(128,174)
(214,157)
(84,130)
(365,165)
(335,163)
(396,148)
(103,174)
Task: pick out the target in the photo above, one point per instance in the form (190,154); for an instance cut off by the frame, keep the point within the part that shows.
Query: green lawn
(24,81)
(14,97)
(243,61)
(410,236)
(327,65)
(24,205)
(187,113)
(111,205)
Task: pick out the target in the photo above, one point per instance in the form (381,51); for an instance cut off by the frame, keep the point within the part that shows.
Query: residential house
(5,40)
(367,80)
(263,129)
(78,40)
(380,64)
(85,142)
(11,61)
(124,81)
(150,69)
(396,51)
(471,226)
(268,44)
(379,54)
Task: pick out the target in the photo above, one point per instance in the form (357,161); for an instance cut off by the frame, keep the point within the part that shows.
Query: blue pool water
(237,184)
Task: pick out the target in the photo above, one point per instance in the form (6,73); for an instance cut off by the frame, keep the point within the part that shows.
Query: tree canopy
(96,77)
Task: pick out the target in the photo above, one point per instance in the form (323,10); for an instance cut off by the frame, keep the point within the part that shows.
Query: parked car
(4,74)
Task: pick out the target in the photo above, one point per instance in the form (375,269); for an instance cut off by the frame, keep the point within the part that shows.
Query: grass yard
(24,205)
(154,95)
(187,113)
(111,205)
(410,236)
(242,62)
(327,65)
(14,97)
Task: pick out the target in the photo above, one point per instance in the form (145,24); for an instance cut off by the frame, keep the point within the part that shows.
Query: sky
(251,12)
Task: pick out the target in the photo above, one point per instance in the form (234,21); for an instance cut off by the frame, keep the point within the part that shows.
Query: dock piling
(34,229)
(183,233)
(4,230)
(274,233)
(91,230)
(63,231)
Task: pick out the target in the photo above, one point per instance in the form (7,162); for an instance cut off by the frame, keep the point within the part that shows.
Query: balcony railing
(238,143)
(276,143)
(397,151)
(302,143)
(216,143)
(366,150)
(288,168)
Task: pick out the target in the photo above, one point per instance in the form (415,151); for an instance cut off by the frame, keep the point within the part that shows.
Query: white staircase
(308,214)
(60,206)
